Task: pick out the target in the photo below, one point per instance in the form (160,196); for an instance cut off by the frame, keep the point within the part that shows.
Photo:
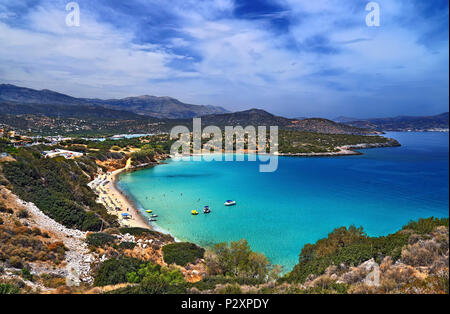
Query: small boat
(153,220)
(194,212)
(206,210)
(230,203)
(154,216)
(149,211)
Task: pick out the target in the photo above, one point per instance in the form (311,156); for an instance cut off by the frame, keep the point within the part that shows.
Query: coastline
(141,221)
(110,195)
(346,150)
(137,219)
(113,199)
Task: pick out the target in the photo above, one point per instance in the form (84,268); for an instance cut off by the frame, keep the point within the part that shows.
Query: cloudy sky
(291,57)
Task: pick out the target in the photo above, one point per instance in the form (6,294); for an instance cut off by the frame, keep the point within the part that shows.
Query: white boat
(230,203)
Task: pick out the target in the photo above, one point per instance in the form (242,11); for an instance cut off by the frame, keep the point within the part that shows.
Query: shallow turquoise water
(303,200)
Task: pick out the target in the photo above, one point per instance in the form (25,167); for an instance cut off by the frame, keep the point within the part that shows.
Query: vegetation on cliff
(182,253)
(422,243)
(58,187)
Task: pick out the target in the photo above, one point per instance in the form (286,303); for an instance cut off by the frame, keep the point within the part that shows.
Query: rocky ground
(77,259)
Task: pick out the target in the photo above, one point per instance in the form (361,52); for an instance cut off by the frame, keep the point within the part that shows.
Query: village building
(61,153)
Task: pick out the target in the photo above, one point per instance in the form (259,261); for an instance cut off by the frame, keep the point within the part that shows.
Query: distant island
(436,123)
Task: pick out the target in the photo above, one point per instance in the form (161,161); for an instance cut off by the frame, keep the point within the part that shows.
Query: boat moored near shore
(230,203)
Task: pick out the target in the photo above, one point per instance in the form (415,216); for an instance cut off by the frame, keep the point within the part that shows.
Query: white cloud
(52,54)
(232,62)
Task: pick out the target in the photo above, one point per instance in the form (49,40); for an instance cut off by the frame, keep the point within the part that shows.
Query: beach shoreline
(137,220)
(116,202)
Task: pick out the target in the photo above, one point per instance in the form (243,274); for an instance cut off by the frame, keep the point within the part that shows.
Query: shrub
(426,225)
(15,261)
(114,271)
(52,281)
(154,279)
(231,289)
(100,239)
(22,214)
(182,253)
(345,246)
(57,247)
(237,260)
(6,288)
(210,282)
(136,231)
(91,222)
(26,274)
(127,245)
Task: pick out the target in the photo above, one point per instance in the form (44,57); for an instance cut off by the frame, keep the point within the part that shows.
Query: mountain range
(258,117)
(158,107)
(400,123)
(166,112)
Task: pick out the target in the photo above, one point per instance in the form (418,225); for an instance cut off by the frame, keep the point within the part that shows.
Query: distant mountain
(160,107)
(258,117)
(320,125)
(64,111)
(25,95)
(405,123)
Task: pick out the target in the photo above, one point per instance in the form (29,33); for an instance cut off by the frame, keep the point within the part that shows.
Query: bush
(345,246)
(6,288)
(15,261)
(114,271)
(210,282)
(91,222)
(127,245)
(154,279)
(231,289)
(427,225)
(100,239)
(136,231)
(237,260)
(26,274)
(22,214)
(182,253)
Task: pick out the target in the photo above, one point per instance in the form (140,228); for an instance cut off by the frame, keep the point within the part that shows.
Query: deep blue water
(304,200)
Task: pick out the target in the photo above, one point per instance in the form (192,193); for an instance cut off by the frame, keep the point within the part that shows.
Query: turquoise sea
(304,200)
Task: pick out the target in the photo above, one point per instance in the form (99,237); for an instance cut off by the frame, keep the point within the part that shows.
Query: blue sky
(290,57)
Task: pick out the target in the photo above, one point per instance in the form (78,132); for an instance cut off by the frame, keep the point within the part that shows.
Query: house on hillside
(61,153)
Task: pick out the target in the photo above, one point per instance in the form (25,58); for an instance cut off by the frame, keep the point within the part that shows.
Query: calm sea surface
(304,200)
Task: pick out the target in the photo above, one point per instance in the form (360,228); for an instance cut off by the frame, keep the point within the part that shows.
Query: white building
(60,152)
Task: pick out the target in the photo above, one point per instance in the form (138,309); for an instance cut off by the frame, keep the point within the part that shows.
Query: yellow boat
(194,212)
(149,211)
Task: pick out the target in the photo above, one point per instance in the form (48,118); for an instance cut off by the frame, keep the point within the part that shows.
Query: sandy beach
(116,203)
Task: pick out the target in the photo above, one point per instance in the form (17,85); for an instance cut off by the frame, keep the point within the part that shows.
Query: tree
(237,260)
